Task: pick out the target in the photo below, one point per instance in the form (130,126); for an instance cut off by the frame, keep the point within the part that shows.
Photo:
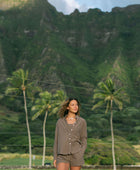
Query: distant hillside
(75,52)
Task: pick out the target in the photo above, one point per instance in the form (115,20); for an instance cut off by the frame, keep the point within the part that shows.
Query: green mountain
(74,52)
(78,50)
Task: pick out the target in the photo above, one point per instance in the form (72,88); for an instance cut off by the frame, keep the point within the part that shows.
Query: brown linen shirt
(70,138)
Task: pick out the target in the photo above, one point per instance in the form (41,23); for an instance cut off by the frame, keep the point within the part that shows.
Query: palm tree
(18,84)
(48,104)
(107,94)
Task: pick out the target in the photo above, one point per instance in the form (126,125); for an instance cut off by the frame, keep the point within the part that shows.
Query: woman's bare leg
(75,168)
(63,166)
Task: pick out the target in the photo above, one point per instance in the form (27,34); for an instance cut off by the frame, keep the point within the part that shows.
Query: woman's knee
(62,166)
(75,168)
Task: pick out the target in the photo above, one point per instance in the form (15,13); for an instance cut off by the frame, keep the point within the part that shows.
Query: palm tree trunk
(44,136)
(112,135)
(28,129)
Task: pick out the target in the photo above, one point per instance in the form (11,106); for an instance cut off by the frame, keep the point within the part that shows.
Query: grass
(19,161)
(16,159)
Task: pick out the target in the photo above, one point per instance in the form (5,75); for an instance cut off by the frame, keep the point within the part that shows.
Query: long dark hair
(64,111)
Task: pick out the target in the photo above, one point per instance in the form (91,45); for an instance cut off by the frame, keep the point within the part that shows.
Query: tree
(18,84)
(47,104)
(106,93)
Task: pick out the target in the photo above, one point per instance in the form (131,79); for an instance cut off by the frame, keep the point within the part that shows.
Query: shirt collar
(77,117)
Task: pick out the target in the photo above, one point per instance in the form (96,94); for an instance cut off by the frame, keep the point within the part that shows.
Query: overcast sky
(68,6)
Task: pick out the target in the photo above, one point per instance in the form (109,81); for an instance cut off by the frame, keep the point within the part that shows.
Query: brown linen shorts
(73,159)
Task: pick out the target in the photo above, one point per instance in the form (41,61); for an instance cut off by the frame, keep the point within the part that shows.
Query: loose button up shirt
(70,138)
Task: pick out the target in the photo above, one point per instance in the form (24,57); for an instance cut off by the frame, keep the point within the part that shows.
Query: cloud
(67,6)
(107,5)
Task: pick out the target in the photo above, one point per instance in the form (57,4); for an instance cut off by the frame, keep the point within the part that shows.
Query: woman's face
(73,106)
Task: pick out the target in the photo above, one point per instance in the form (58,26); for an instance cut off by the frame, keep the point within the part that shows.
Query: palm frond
(12,90)
(99,96)
(38,114)
(36,108)
(103,87)
(107,98)
(54,111)
(60,95)
(122,95)
(45,95)
(107,107)
(118,103)
(118,91)
(99,104)
(110,85)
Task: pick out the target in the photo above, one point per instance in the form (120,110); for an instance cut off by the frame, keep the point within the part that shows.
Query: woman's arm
(55,143)
(83,137)
(54,163)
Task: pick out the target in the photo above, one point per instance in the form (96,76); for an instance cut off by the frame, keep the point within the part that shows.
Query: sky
(68,6)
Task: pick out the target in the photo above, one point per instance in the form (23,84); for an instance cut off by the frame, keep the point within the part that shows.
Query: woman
(70,137)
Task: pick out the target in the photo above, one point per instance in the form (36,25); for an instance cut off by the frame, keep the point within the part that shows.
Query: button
(70,143)
(71,129)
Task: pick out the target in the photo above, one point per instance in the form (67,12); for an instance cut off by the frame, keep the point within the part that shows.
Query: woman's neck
(71,118)
(71,115)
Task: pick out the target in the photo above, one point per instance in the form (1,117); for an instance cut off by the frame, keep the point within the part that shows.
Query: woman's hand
(54,163)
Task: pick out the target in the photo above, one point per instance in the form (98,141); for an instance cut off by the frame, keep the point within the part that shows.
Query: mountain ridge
(85,42)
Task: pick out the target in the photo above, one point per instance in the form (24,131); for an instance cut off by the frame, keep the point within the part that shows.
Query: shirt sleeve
(55,142)
(84,136)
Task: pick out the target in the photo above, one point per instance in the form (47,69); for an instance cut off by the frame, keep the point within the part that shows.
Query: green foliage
(99,152)
(94,160)
(21,144)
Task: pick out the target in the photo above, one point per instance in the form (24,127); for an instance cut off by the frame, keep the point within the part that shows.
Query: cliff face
(76,50)
(7,4)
